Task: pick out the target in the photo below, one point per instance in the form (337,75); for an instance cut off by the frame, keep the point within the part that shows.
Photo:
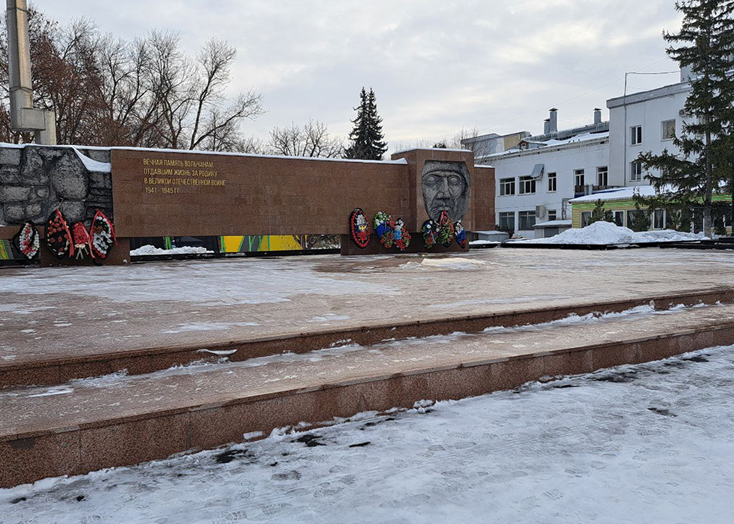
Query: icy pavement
(71,312)
(650,443)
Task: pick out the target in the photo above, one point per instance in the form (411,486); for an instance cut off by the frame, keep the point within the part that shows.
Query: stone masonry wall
(35,180)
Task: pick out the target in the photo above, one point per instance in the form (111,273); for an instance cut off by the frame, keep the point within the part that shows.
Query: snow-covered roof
(651,94)
(622,193)
(575,140)
(218,153)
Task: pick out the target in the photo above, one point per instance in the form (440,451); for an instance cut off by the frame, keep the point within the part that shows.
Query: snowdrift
(608,233)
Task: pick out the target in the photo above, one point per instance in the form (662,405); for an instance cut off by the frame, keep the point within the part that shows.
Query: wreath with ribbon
(82,242)
(460,234)
(430,233)
(445,229)
(102,235)
(384,227)
(401,237)
(58,236)
(359,227)
(27,241)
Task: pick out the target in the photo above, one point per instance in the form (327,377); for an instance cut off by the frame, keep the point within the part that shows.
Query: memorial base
(348,247)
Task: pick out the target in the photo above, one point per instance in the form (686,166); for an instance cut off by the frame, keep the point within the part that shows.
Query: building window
(507,221)
(552,182)
(668,129)
(578,176)
(635,171)
(619,218)
(602,176)
(507,186)
(658,219)
(527,220)
(585,217)
(635,135)
(631,214)
(527,185)
(551,214)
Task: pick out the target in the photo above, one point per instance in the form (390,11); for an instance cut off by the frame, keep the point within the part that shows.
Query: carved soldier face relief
(445,188)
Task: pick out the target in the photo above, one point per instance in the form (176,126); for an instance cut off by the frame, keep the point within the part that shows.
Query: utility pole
(23,117)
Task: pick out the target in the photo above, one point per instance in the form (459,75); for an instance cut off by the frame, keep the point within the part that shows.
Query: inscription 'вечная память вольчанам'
(162,176)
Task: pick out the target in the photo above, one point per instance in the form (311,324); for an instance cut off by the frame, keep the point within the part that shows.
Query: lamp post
(23,117)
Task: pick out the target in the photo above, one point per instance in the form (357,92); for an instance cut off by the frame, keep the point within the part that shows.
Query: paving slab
(57,313)
(115,420)
(30,411)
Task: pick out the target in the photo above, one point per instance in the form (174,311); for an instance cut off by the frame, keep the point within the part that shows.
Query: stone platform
(74,319)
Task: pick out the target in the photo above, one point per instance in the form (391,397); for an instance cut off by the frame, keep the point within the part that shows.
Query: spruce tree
(705,44)
(367,140)
(599,214)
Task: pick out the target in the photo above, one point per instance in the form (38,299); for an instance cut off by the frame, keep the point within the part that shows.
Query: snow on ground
(185,250)
(208,283)
(609,233)
(650,443)
(443,264)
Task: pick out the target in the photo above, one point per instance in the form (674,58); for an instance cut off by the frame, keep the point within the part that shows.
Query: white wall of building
(649,110)
(563,160)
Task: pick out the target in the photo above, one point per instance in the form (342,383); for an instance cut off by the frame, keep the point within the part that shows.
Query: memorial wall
(161,193)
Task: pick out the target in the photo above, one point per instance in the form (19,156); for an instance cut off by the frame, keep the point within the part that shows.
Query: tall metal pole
(23,117)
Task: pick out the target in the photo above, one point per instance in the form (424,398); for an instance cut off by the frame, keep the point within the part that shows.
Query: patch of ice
(329,317)
(61,390)
(208,326)
(444,264)
(219,352)
(210,283)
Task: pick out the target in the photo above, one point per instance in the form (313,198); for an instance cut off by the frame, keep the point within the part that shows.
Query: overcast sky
(436,66)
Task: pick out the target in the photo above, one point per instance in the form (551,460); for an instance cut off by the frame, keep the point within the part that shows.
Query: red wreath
(360,232)
(58,236)
(82,242)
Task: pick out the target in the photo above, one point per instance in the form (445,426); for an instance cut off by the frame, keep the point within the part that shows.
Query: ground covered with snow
(152,250)
(600,233)
(651,443)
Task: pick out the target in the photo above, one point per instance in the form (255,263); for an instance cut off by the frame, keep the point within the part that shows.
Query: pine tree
(367,140)
(705,44)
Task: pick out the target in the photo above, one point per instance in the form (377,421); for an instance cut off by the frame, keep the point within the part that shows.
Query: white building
(484,145)
(536,179)
(641,122)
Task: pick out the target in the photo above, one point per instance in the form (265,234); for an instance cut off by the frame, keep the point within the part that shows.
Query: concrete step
(46,365)
(84,425)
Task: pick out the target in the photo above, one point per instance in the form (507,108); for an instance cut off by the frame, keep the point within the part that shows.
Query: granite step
(121,419)
(47,366)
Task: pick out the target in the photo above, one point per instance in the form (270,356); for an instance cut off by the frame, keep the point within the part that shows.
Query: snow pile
(573,450)
(609,233)
(186,250)
(443,264)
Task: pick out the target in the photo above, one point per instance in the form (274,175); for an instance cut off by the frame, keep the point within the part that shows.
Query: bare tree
(147,93)
(311,140)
